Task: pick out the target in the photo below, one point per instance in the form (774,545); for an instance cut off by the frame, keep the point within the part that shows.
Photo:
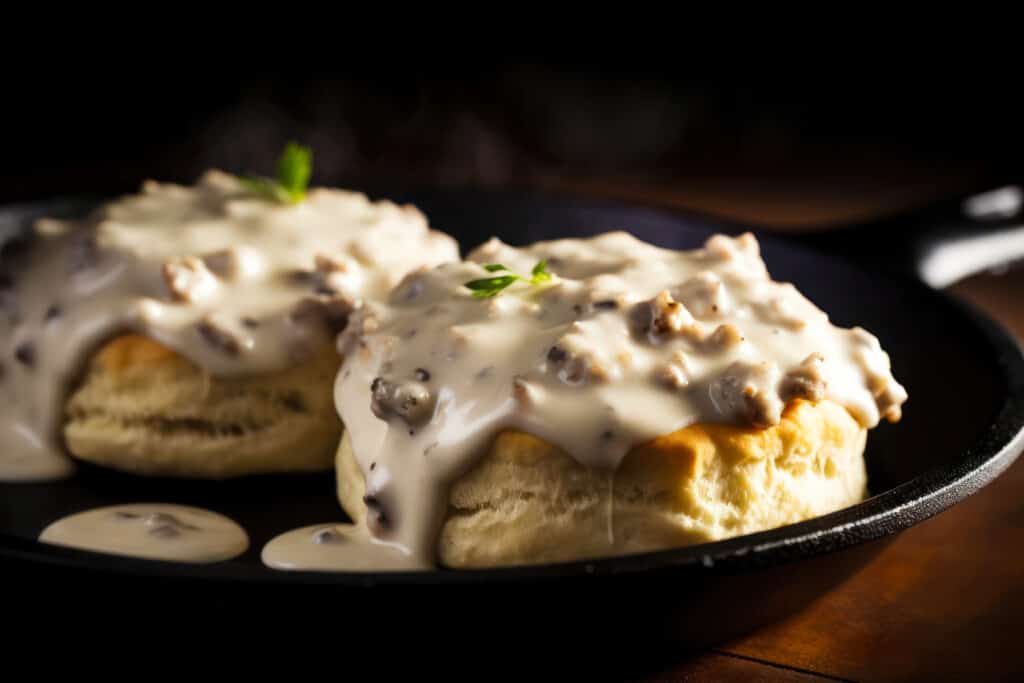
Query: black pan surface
(961,428)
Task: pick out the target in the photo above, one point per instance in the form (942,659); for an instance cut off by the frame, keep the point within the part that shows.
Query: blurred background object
(848,141)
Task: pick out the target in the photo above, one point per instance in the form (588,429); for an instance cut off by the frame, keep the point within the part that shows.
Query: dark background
(878,134)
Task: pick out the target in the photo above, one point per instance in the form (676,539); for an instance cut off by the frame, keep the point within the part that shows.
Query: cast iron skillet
(962,427)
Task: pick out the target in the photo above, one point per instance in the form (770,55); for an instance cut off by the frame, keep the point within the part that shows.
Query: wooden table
(945,601)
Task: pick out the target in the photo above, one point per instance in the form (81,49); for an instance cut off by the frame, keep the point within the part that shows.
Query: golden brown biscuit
(145,409)
(528,502)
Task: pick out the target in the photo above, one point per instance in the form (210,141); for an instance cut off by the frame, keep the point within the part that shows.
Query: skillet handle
(941,243)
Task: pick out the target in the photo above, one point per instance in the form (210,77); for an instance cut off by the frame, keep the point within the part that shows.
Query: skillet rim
(882,515)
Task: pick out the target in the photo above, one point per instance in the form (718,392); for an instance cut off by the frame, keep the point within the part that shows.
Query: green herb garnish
(540,272)
(487,287)
(293,174)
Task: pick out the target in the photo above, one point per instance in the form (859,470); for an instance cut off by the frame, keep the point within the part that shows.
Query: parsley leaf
(490,286)
(295,169)
(487,287)
(540,272)
(293,173)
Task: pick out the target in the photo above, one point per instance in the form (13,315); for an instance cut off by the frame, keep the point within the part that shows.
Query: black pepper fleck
(26,354)
(218,337)
(422,375)
(301,277)
(557,354)
(52,312)
(325,289)
(606,305)
(251,323)
(326,536)
(373,504)
(294,402)
(164,531)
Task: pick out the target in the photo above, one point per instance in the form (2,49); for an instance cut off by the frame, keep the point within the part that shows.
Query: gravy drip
(332,547)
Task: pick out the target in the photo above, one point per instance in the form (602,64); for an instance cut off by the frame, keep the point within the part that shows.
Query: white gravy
(153,531)
(332,547)
(627,342)
(234,282)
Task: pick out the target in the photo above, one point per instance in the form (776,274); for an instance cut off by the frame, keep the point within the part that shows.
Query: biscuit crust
(143,408)
(526,501)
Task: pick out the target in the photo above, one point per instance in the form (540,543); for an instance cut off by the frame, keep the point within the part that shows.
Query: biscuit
(526,501)
(145,409)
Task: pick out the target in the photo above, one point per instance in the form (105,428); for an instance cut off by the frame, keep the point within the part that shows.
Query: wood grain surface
(945,601)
